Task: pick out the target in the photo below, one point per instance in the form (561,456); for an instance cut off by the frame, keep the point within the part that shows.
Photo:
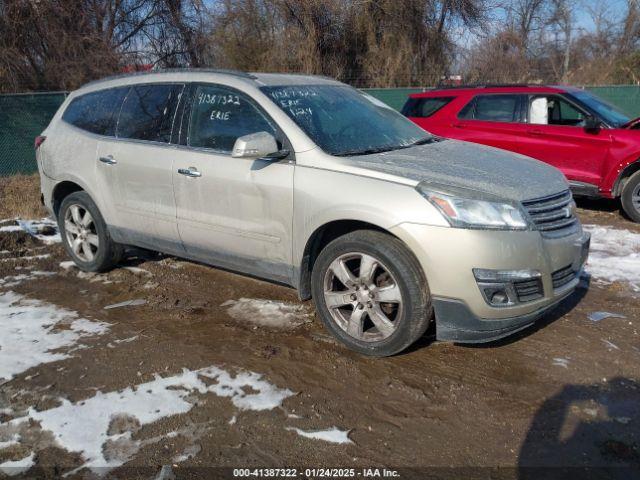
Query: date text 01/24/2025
(315,473)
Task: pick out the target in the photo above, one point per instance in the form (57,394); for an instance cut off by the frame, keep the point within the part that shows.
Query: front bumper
(448,257)
(456,323)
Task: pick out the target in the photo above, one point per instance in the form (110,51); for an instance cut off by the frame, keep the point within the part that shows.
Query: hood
(468,165)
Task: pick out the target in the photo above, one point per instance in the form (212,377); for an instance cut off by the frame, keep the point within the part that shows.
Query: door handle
(457,125)
(535,131)
(189,172)
(109,160)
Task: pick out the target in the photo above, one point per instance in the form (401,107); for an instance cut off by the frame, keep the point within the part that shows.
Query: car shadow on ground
(585,431)
(598,204)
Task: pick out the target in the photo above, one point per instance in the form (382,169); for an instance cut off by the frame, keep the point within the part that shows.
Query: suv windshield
(343,121)
(608,112)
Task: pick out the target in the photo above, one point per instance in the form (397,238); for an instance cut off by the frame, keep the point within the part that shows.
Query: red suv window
(493,108)
(424,107)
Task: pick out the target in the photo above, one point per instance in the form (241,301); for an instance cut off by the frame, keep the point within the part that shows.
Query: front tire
(371,293)
(630,197)
(85,235)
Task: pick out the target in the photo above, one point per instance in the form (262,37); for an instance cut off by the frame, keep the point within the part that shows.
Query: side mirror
(258,145)
(592,124)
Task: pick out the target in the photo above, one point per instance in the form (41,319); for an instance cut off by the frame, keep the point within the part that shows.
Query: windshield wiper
(422,141)
(371,151)
(368,151)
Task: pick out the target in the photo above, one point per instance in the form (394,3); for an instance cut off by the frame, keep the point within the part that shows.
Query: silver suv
(306,181)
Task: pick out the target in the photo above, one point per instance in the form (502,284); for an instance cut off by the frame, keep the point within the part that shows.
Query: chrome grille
(563,276)
(553,215)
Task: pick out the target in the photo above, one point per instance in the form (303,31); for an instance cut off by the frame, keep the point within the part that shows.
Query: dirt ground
(562,394)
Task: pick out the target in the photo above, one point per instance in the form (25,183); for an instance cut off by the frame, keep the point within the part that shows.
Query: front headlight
(473,213)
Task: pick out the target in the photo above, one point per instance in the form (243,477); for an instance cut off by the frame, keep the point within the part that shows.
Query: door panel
(237,213)
(233,212)
(139,186)
(561,140)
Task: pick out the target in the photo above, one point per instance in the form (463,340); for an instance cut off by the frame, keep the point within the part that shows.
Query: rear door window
(424,107)
(96,112)
(148,112)
(493,108)
(219,116)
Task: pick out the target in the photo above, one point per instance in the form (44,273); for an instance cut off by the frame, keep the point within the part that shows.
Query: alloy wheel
(363,297)
(80,232)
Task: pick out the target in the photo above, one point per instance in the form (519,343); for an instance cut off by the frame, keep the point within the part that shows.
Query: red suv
(594,144)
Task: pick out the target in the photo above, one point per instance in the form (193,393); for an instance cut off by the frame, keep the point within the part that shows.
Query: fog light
(500,287)
(496,295)
(499,298)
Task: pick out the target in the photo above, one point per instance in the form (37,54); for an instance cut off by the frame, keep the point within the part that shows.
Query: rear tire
(371,293)
(85,235)
(630,197)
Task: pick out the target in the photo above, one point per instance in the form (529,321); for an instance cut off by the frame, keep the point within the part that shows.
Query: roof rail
(487,85)
(236,73)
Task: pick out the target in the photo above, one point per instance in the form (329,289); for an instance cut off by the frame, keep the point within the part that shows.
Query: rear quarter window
(148,112)
(424,107)
(96,112)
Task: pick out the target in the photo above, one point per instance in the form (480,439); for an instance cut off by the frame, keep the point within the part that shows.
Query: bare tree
(67,42)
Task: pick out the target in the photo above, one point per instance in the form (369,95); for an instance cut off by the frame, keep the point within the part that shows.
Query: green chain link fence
(24,116)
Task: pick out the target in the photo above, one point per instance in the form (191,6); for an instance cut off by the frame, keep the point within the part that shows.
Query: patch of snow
(11,228)
(127,340)
(30,333)
(189,452)
(610,345)
(100,428)
(561,362)
(14,440)
(127,303)
(614,255)
(40,229)
(597,316)
(333,435)
(31,257)
(68,265)
(138,270)
(17,467)
(165,473)
(233,420)
(94,277)
(267,313)
(14,280)
(267,396)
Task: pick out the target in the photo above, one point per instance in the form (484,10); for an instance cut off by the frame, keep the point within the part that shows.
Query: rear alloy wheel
(80,232)
(85,235)
(631,197)
(370,293)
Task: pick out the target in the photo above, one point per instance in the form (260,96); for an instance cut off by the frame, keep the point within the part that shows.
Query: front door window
(219,116)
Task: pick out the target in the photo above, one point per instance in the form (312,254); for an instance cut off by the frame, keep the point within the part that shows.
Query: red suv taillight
(38,141)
